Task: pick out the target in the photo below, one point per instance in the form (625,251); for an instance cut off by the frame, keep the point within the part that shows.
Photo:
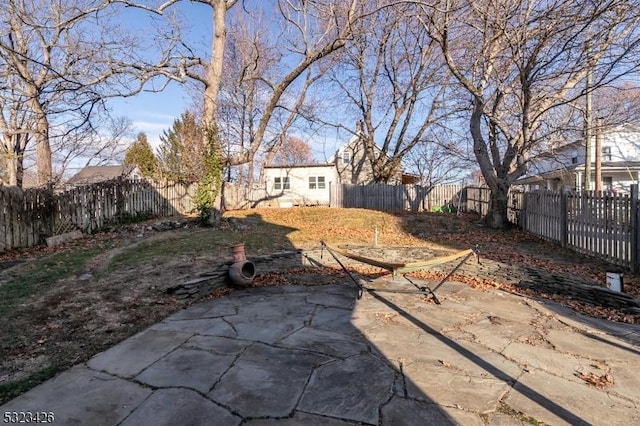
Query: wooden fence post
(564,218)
(464,202)
(523,212)
(635,255)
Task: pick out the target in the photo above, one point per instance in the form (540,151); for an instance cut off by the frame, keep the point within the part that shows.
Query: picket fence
(601,224)
(593,223)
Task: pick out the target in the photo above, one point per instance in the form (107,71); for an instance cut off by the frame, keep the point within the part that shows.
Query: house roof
(622,128)
(94,174)
(607,167)
(354,140)
(300,166)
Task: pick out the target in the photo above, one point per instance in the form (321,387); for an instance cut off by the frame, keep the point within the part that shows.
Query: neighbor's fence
(240,197)
(477,200)
(605,225)
(383,197)
(396,198)
(24,216)
(601,224)
(588,222)
(29,216)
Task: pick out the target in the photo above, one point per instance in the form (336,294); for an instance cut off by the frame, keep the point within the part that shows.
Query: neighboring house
(354,167)
(311,184)
(304,185)
(352,163)
(94,174)
(564,167)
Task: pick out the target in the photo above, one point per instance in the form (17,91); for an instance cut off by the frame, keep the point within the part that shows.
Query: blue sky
(154,112)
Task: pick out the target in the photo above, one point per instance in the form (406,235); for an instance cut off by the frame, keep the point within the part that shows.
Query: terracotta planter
(238,253)
(242,273)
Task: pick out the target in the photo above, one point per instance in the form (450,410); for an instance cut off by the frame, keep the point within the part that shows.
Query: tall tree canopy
(140,154)
(59,61)
(181,154)
(518,61)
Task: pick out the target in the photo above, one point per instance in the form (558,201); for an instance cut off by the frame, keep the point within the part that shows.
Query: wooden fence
(604,225)
(392,198)
(396,198)
(28,217)
(600,224)
(477,200)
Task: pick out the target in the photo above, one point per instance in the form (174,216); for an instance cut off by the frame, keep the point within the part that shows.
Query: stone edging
(218,278)
(522,277)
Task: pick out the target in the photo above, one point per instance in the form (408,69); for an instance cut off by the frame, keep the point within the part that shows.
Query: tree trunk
(43,148)
(496,217)
(212,86)
(19,169)
(11,167)
(43,152)
(214,71)
(14,162)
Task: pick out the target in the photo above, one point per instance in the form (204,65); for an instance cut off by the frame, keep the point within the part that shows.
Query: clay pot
(242,273)
(238,253)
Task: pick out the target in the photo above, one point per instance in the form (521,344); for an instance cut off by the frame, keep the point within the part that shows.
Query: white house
(564,167)
(300,185)
(310,184)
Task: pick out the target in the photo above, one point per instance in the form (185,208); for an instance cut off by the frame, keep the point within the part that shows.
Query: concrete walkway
(316,355)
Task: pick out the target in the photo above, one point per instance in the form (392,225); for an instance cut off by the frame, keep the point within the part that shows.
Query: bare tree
(393,78)
(293,151)
(311,30)
(104,142)
(518,62)
(252,55)
(15,125)
(439,161)
(63,59)
(617,104)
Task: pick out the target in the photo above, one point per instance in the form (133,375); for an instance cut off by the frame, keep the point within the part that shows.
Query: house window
(280,183)
(606,153)
(316,182)
(574,156)
(607,183)
(346,157)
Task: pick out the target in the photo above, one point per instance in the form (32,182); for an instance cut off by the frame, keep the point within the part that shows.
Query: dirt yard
(60,306)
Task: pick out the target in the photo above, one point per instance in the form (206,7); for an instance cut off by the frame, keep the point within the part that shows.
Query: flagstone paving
(318,355)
